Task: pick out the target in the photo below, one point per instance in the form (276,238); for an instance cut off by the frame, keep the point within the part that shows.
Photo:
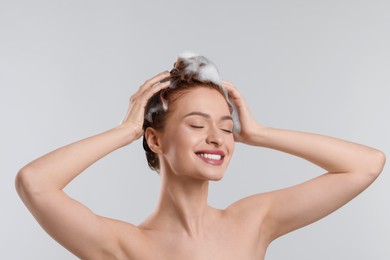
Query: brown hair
(156,113)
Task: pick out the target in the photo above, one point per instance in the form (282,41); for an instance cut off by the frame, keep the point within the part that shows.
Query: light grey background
(67,69)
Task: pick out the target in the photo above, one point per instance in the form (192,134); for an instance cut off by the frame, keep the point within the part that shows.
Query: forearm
(57,168)
(332,154)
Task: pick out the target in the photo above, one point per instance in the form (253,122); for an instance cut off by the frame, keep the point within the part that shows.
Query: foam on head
(201,66)
(193,67)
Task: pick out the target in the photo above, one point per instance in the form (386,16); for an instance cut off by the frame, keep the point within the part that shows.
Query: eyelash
(199,127)
(196,126)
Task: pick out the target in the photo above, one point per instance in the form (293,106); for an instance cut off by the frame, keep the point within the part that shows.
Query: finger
(148,93)
(155,80)
(158,86)
(229,86)
(142,98)
(227,83)
(139,101)
(161,77)
(232,91)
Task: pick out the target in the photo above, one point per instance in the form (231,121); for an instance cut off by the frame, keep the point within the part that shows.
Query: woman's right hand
(134,118)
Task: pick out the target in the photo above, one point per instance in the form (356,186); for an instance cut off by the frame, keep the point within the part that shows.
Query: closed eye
(227,131)
(196,126)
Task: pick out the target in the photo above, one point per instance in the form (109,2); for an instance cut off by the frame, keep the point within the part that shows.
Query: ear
(153,139)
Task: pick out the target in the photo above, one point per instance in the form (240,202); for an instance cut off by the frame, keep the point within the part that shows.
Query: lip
(211,161)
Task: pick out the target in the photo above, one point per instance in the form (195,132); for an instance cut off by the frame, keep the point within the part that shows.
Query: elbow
(25,182)
(377,163)
(21,181)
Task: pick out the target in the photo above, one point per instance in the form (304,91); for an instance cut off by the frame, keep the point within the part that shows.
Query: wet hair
(190,71)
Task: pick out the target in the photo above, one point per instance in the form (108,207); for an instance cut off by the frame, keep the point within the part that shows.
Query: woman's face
(197,140)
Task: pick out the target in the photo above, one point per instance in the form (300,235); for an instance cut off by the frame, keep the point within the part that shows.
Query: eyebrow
(196,113)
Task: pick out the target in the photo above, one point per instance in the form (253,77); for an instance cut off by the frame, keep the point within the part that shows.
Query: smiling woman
(190,121)
(199,127)
(191,72)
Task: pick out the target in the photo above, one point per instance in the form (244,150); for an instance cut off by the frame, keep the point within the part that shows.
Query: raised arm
(40,183)
(350,168)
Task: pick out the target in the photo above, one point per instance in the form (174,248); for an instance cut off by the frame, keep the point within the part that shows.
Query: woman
(190,121)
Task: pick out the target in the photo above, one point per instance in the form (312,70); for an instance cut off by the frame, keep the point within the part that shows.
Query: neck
(183,201)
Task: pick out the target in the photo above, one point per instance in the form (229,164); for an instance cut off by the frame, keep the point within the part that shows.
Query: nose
(214,136)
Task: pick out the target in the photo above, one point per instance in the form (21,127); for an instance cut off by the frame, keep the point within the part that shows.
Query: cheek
(230,144)
(179,142)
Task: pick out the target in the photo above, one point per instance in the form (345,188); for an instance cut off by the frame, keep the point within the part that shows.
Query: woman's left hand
(248,124)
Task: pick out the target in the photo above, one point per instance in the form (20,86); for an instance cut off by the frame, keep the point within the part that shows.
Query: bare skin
(184,226)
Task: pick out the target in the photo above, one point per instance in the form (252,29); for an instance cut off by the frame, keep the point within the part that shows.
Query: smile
(211,157)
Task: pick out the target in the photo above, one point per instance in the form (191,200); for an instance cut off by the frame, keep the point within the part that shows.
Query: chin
(216,179)
(212,176)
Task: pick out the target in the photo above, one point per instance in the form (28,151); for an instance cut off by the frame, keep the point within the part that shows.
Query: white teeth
(211,156)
